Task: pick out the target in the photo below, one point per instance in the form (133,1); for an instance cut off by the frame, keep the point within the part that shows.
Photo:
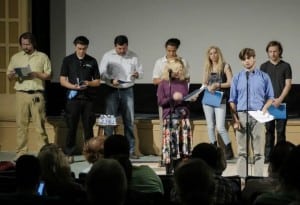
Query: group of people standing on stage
(251,89)
(120,67)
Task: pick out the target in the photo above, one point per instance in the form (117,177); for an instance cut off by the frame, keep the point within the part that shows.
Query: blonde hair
(176,65)
(208,64)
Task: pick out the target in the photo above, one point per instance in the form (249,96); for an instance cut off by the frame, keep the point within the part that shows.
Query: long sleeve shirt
(114,66)
(165,97)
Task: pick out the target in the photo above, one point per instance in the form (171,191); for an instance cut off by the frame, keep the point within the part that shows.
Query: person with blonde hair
(217,76)
(177,135)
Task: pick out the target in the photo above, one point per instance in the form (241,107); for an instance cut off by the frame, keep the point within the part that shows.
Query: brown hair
(275,43)
(246,53)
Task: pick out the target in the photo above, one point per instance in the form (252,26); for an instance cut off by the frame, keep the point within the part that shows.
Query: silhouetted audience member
(257,186)
(289,183)
(144,185)
(57,175)
(194,182)
(214,157)
(106,183)
(28,174)
(140,178)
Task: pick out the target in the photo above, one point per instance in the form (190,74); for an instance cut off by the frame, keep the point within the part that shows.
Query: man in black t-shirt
(79,74)
(280,73)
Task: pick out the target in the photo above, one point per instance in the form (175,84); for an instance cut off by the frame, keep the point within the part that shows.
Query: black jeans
(76,109)
(280,126)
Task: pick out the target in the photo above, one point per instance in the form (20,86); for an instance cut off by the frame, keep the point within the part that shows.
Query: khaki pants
(30,105)
(256,139)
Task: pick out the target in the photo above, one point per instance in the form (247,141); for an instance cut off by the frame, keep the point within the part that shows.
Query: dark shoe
(169,169)
(228,151)
(133,156)
(267,161)
(215,143)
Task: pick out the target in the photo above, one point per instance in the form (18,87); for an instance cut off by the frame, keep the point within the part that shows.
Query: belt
(116,88)
(31,91)
(244,110)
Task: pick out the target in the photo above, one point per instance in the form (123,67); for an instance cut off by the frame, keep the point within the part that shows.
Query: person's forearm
(267,105)
(285,92)
(94,83)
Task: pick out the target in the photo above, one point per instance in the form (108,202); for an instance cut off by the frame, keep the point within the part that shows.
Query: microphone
(170,73)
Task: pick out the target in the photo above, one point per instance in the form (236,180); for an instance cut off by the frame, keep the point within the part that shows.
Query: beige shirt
(37,61)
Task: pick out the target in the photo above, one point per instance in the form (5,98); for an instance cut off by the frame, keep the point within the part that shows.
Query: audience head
(106,183)
(212,155)
(117,147)
(194,182)
(54,164)
(28,173)
(93,149)
(278,156)
(289,173)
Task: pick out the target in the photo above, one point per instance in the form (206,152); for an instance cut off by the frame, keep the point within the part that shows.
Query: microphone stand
(247,122)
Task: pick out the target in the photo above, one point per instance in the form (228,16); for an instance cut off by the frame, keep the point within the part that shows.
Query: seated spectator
(144,185)
(288,190)
(57,175)
(106,183)
(225,191)
(7,165)
(28,173)
(257,186)
(194,182)
(92,151)
(140,178)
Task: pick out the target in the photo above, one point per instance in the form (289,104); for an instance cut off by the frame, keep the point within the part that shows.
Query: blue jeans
(121,101)
(215,118)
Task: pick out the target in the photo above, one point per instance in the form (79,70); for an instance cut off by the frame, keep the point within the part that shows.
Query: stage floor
(153,161)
